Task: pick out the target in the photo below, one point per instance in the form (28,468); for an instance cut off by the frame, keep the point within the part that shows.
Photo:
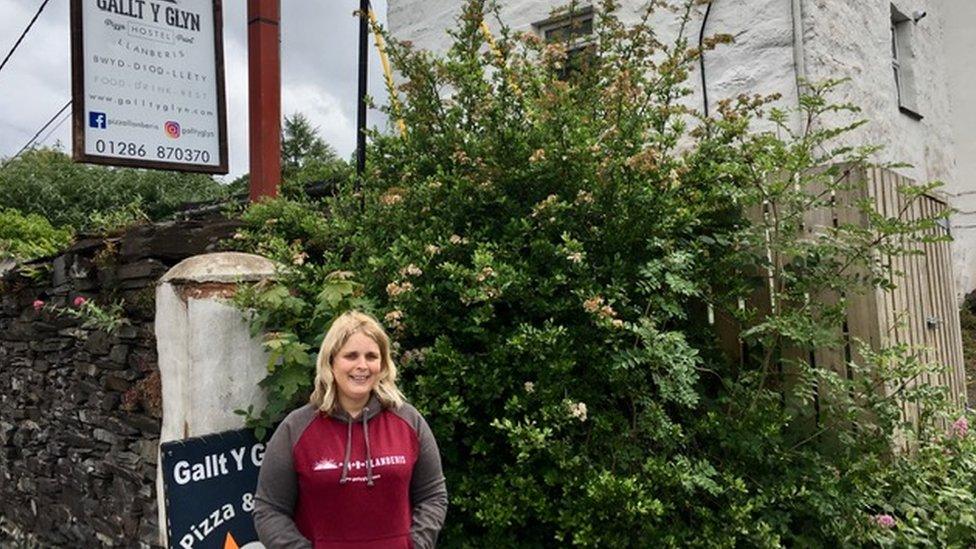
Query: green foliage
(547,248)
(967,321)
(25,237)
(84,197)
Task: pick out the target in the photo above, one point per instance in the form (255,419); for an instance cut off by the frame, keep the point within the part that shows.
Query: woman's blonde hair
(352,322)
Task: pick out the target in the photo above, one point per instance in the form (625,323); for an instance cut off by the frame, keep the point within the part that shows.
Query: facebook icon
(97,120)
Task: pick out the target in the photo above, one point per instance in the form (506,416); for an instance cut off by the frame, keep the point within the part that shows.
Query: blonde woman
(357,467)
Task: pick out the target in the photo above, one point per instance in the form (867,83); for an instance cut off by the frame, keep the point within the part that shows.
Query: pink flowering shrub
(960,427)
(884,521)
(92,315)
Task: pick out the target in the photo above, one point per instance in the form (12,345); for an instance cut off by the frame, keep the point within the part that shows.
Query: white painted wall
(960,59)
(840,39)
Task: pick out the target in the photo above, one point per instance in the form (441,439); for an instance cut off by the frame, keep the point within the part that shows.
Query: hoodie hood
(372,409)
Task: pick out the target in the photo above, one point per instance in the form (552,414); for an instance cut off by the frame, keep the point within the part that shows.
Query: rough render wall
(761,61)
(840,39)
(960,58)
(854,40)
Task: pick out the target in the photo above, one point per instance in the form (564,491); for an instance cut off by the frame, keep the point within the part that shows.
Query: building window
(575,30)
(902,63)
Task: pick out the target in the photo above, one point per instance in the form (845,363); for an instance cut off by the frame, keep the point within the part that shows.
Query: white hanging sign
(148,84)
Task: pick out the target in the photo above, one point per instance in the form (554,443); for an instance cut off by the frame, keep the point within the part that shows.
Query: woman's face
(356,369)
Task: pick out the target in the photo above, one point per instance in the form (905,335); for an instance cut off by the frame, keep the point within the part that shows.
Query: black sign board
(209,485)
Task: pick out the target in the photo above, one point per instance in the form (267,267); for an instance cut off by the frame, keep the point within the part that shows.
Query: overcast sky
(319,72)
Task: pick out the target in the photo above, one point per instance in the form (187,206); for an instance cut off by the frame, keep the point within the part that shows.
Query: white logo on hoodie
(325,465)
(328,464)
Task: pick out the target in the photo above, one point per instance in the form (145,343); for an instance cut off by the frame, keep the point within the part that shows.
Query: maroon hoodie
(331,482)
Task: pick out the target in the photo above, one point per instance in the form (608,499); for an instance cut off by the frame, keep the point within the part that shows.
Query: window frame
(902,64)
(577,43)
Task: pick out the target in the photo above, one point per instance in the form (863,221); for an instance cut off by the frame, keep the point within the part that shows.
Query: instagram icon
(172,129)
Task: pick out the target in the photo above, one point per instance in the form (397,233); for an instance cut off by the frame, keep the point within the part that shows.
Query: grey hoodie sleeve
(428,491)
(274,500)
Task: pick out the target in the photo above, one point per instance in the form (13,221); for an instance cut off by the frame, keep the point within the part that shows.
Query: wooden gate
(921,310)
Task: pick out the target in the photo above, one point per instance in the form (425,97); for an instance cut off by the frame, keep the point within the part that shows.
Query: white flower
(393,319)
(529,387)
(578,410)
(411,270)
(394,289)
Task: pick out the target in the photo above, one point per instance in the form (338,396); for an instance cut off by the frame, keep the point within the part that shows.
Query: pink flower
(884,521)
(79,301)
(38,304)
(960,428)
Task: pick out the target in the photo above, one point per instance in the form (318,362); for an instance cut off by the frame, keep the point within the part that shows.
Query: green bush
(546,247)
(25,237)
(85,197)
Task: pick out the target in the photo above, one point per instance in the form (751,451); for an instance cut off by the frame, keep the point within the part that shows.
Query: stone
(128,459)
(119,426)
(146,449)
(87,417)
(146,268)
(116,383)
(59,273)
(102,435)
(99,343)
(48,486)
(108,402)
(119,353)
(76,333)
(88,246)
(143,423)
(174,241)
(126,332)
(143,359)
(86,369)
(50,345)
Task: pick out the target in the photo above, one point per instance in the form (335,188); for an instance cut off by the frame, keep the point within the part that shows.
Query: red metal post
(264,95)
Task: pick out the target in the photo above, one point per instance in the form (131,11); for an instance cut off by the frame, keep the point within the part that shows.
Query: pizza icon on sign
(172,129)
(231,543)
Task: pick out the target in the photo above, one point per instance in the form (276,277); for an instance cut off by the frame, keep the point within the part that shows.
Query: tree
(305,158)
(301,146)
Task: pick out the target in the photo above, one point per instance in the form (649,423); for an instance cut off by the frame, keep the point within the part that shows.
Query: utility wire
(54,128)
(23,34)
(32,139)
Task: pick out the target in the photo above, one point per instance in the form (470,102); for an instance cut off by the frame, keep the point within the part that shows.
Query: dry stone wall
(80,409)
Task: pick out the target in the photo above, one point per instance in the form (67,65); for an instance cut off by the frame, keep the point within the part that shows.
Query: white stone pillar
(208,362)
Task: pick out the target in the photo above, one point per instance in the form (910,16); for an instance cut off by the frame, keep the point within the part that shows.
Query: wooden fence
(920,312)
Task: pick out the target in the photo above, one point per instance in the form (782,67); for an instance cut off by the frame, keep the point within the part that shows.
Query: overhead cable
(33,139)
(23,34)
